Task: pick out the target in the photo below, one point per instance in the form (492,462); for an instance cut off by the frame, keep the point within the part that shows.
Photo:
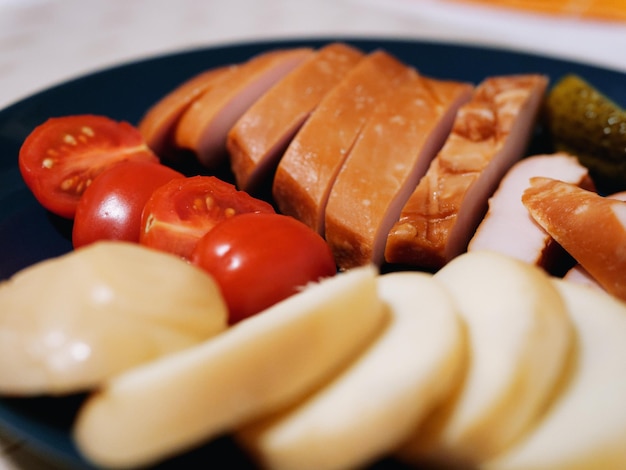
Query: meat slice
(159,123)
(312,160)
(592,228)
(577,273)
(489,135)
(205,124)
(262,134)
(508,228)
(391,154)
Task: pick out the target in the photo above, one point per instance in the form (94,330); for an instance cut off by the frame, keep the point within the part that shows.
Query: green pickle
(584,122)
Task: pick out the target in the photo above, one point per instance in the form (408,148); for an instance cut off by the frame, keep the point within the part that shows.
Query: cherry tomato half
(61,157)
(111,207)
(180,212)
(260,259)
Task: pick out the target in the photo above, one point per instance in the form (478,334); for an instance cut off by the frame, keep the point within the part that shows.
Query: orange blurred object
(613,10)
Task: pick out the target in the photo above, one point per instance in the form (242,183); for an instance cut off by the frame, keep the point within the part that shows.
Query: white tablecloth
(44,42)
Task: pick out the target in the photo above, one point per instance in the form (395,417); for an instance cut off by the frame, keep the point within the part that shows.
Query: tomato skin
(111,207)
(180,212)
(60,157)
(261,259)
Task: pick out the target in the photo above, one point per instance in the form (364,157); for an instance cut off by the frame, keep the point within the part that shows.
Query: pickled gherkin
(584,122)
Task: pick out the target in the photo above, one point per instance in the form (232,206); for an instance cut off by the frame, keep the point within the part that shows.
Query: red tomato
(179,213)
(111,207)
(60,158)
(260,259)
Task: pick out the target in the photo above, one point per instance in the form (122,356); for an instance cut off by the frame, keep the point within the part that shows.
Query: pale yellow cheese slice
(71,322)
(259,366)
(372,407)
(519,338)
(585,428)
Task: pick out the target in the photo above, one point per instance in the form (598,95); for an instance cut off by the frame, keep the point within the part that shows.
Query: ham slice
(205,124)
(262,134)
(489,135)
(508,228)
(388,159)
(159,123)
(312,160)
(592,228)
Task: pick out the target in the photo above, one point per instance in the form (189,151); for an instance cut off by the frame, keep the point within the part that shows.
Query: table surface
(45,42)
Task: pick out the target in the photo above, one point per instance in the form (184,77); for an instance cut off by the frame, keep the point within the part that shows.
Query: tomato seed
(70,139)
(88,131)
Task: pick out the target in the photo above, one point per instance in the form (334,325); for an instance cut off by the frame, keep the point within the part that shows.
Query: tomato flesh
(180,212)
(61,157)
(111,207)
(261,259)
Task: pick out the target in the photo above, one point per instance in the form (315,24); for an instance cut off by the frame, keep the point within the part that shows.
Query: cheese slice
(373,406)
(69,323)
(585,428)
(263,364)
(519,338)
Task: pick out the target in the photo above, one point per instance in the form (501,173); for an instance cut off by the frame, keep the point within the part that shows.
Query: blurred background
(43,42)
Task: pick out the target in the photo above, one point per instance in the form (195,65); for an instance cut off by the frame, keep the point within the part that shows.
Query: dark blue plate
(29,234)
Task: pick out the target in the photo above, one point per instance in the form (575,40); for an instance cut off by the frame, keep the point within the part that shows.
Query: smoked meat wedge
(406,130)
(262,134)
(508,228)
(312,160)
(489,135)
(577,273)
(203,127)
(159,123)
(257,367)
(590,227)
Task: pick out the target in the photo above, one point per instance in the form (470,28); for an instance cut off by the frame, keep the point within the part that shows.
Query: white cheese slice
(585,428)
(257,367)
(519,340)
(374,405)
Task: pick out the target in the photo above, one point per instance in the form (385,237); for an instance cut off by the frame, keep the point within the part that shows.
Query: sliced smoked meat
(592,228)
(391,154)
(261,135)
(205,124)
(159,123)
(489,135)
(312,160)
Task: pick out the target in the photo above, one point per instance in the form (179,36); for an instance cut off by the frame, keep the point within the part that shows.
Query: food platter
(29,234)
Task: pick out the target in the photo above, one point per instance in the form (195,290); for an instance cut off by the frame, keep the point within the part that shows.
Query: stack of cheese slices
(489,363)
